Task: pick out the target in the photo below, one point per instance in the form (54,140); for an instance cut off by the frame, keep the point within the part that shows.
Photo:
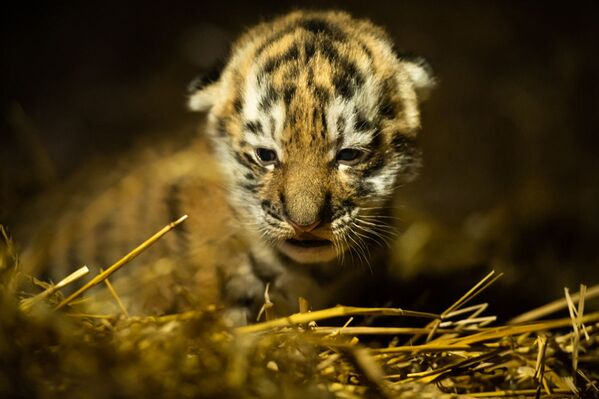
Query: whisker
(377,217)
(381,227)
(340,254)
(360,252)
(349,247)
(387,236)
(377,237)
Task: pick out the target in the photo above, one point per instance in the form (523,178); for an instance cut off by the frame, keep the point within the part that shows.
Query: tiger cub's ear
(421,75)
(205,89)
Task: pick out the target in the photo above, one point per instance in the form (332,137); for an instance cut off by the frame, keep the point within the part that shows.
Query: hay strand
(553,307)
(116,297)
(27,303)
(338,311)
(123,261)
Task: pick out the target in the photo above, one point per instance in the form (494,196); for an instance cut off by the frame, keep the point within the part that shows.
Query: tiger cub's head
(314,119)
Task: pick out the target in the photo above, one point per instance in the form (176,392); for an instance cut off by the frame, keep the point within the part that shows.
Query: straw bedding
(50,347)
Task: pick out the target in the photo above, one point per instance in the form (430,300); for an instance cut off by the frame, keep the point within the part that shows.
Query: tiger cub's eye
(350,156)
(266,156)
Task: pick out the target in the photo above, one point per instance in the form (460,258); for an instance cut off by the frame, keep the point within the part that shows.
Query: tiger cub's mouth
(309,243)
(308,248)
(309,240)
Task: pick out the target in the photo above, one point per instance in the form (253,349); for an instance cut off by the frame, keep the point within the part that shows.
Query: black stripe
(292,117)
(249,159)
(364,189)
(365,49)
(237,105)
(275,216)
(351,69)
(291,54)
(323,29)
(374,166)
(348,204)
(347,80)
(338,145)
(221,127)
(309,50)
(326,212)
(204,79)
(310,77)
(361,124)
(320,26)
(341,123)
(322,94)
(254,127)
(343,86)
(268,207)
(402,143)
(376,140)
(288,94)
(273,39)
(348,77)
(269,98)
(323,123)
(328,50)
(246,161)
(315,116)
(252,188)
(386,106)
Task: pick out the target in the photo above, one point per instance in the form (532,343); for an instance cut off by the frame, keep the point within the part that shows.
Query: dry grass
(48,348)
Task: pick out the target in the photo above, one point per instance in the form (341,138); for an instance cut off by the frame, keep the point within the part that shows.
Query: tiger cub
(311,126)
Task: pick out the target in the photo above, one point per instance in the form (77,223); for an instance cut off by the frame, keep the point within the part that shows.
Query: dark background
(510,135)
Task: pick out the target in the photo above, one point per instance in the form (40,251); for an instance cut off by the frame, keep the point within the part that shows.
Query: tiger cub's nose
(303,228)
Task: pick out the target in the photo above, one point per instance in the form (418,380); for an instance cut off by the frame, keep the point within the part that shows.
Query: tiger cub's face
(314,120)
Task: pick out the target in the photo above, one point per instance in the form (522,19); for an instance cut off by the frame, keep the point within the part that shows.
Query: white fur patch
(251,112)
(205,98)
(420,75)
(251,97)
(340,108)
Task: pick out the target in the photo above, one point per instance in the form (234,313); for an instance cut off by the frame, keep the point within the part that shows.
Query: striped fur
(111,207)
(313,122)
(307,88)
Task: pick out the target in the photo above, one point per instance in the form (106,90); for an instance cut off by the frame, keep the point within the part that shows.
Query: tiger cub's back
(105,211)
